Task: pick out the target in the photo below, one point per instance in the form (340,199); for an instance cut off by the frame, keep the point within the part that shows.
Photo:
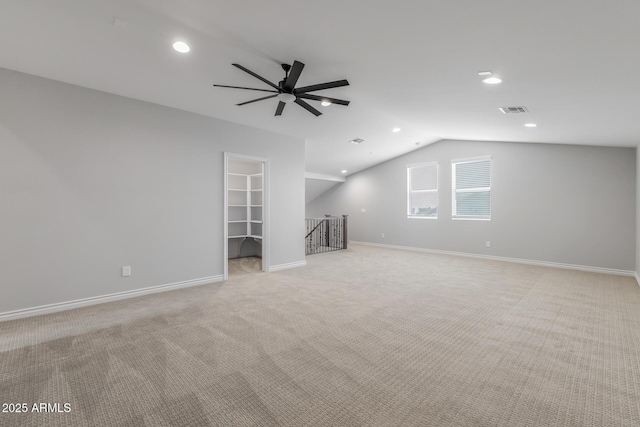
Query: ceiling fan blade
(329,85)
(293,77)
(323,98)
(256,76)
(247,88)
(259,99)
(280,108)
(307,107)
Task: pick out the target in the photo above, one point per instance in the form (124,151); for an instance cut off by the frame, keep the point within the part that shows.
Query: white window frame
(470,190)
(410,191)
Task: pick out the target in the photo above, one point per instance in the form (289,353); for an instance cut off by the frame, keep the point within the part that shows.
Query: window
(422,190)
(471,181)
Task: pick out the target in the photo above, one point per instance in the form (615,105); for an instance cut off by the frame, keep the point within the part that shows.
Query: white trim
(507,259)
(473,190)
(416,165)
(225,218)
(288,265)
(266,215)
(84,302)
(635,273)
(324,177)
(471,159)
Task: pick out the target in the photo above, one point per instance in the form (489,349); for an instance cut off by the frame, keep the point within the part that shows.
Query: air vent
(357,141)
(513,110)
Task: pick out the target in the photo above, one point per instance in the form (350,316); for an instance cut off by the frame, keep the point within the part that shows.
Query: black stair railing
(326,234)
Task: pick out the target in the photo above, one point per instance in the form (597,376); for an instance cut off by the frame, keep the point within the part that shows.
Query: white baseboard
(68,305)
(637,277)
(507,259)
(287,266)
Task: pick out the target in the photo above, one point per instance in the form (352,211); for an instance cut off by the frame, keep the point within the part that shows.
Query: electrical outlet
(488,244)
(383,235)
(363,210)
(126,271)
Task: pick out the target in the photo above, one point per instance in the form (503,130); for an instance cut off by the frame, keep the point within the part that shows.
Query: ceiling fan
(285,91)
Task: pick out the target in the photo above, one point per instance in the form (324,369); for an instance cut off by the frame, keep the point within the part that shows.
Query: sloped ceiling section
(314,188)
(412,65)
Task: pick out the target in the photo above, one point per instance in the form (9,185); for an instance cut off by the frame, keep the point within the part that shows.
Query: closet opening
(246,248)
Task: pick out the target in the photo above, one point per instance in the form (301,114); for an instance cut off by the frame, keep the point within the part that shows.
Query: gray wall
(92,181)
(553,203)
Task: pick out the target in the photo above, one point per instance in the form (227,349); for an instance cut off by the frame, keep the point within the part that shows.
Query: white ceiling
(413,64)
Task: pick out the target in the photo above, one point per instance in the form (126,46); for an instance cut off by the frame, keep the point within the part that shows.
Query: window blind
(422,185)
(471,181)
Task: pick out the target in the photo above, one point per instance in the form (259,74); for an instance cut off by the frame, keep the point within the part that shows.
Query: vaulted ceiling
(574,65)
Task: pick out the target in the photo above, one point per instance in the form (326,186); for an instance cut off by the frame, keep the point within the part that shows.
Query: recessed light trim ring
(181,47)
(492,80)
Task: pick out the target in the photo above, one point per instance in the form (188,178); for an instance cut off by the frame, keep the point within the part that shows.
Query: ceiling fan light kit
(286,97)
(286,92)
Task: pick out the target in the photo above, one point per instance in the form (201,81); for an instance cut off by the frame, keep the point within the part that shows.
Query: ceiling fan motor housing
(286,68)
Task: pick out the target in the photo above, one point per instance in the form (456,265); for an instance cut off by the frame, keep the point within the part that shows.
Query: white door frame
(265,211)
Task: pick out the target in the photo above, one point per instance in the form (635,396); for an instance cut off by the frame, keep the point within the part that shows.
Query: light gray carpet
(364,337)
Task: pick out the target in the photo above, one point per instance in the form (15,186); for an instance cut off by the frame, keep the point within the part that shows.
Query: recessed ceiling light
(396,130)
(343,171)
(181,47)
(492,80)
(419,142)
(530,125)
(325,103)
(484,73)
(356,141)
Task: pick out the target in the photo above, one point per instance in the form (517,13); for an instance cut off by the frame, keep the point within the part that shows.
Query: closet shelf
(245,193)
